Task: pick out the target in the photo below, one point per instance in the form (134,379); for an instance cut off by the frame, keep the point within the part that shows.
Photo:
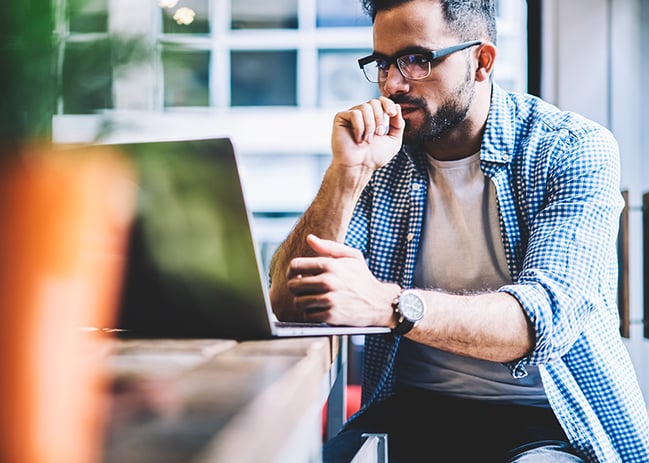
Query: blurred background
(271,75)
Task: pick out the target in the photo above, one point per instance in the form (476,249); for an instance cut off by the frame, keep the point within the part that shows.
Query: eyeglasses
(412,66)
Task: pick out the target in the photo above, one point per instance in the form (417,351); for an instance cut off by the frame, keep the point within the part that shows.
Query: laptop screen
(192,269)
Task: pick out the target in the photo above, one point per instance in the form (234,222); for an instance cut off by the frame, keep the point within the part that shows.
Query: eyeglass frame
(434,55)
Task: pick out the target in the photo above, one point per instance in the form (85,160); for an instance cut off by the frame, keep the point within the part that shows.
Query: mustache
(408,100)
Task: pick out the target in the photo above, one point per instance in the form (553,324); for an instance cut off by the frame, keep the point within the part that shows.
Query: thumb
(397,125)
(328,247)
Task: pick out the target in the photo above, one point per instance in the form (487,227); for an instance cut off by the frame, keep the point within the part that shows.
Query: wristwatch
(409,308)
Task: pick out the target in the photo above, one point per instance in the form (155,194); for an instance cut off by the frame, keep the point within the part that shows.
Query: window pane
(263,78)
(186,77)
(185,17)
(511,70)
(86,81)
(88,15)
(268,14)
(341,13)
(342,82)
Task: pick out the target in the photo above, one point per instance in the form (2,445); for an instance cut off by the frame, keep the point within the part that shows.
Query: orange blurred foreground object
(64,222)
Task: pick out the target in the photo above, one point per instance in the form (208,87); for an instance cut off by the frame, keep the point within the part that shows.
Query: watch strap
(403,327)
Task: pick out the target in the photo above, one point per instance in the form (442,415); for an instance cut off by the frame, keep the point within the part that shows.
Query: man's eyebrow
(403,51)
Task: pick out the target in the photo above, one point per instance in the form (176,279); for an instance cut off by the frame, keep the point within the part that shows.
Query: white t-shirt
(461,251)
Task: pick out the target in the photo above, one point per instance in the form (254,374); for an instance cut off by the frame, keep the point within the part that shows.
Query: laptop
(193,268)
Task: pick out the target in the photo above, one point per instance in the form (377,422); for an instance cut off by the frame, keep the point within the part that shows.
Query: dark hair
(470,19)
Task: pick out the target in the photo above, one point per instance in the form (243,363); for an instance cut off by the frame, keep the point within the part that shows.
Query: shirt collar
(499,136)
(418,158)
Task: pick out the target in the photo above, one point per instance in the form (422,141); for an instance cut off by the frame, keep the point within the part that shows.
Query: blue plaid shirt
(557,180)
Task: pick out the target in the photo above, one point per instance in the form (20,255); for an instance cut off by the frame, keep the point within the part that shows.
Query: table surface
(216,400)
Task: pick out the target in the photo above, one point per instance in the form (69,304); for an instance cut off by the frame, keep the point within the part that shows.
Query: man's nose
(395,82)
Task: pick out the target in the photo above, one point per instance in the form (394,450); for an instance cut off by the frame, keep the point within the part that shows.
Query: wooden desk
(220,401)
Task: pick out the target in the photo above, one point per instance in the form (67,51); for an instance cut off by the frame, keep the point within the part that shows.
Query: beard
(451,113)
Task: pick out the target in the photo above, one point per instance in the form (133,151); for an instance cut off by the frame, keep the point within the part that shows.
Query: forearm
(489,326)
(327,217)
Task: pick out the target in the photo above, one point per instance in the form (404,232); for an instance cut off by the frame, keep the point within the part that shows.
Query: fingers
(377,117)
(320,284)
(301,267)
(310,283)
(377,122)
(310,294)
(397,122)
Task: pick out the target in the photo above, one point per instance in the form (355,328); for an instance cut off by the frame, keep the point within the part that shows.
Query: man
(499,213)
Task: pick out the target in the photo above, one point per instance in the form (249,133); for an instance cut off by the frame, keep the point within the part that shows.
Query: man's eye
(382,64)
(415,59)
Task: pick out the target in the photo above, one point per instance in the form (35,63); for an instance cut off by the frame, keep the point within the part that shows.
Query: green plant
(28,77)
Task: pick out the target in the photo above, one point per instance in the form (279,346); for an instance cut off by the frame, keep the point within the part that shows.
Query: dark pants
(426,427)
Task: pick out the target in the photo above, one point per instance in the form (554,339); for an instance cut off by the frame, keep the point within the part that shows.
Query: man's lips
(406,110)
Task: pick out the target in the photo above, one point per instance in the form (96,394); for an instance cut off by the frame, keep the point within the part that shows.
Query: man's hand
(337,287)
(360,137)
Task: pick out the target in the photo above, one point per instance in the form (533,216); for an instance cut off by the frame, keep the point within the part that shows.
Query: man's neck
(458,145)
(466,139)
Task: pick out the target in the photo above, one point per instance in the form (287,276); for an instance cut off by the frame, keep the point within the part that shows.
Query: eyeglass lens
(414,66)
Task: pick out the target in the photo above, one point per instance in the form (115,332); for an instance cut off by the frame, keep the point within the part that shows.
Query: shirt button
(506,157)
(416,187)
(410,236)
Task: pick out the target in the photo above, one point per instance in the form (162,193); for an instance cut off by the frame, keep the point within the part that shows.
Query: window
(511,63)
(86,81)
(243,53)
(186,77)
(341,13)
(263,78)
(255,14)
(88,16)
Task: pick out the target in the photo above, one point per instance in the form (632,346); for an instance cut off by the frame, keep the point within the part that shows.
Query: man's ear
(486,59)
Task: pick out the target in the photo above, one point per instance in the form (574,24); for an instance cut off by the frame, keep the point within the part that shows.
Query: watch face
(411,306)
